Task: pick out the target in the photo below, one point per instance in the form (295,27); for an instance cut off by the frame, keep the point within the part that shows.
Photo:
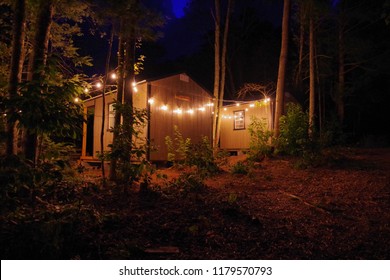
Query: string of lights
(96,86)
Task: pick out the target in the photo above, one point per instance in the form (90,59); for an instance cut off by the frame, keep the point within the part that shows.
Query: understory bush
(240,168)
(182,152)
(294,131)
(130,148)
(43,213)
(260,136)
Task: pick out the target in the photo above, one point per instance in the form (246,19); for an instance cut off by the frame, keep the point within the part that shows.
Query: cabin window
(111,116)
(239,120)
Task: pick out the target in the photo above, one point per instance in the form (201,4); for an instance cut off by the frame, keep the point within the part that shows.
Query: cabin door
(90,130)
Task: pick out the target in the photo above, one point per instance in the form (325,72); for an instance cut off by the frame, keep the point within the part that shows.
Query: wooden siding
(139,100)
(178,92)
(238,139)
(175,92)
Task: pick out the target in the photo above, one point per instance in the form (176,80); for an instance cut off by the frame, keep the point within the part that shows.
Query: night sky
(178,6)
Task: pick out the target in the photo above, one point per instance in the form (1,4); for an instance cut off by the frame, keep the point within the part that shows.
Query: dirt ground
(337,211)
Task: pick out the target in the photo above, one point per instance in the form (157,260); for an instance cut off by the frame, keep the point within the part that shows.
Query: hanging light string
(96,84)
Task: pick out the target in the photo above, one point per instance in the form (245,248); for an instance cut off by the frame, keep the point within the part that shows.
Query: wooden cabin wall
(239,139)
(139,99)
(176,92)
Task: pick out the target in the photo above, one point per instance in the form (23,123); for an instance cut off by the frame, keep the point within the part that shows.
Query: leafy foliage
(294,127)
(182,152)
(177,147)
(260,137)
(130,148)
(240,168)
(189,182)
(201,155)
(48,106)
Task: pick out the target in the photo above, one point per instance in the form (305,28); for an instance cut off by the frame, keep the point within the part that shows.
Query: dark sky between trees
(253,53)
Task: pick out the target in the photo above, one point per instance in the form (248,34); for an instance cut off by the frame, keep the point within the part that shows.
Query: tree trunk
(312,77)
(341,70)
(298,77)
(119,100)
(128,117)
(15,76)
(217,67)
(282,69)
(108,58)
(39,56)
(218,110)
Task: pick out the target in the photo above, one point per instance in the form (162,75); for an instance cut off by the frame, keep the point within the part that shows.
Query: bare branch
(253,89)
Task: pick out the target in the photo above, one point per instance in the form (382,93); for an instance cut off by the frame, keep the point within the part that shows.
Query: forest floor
(340,210)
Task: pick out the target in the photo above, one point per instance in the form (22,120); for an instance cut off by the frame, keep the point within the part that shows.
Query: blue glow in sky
(178,6)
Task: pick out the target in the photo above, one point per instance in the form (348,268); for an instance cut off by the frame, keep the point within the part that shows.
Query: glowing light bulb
(86,90)
(77,100)
(135,89)
(164,107)
(133,84)
(237,104)
(202,109)
(113,76)
(99,85)
(224,109)
(252,105)
(151,100)
(178,111)
(190,111)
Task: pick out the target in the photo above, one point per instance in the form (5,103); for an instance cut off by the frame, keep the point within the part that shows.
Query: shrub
(189,182)
(201,156)
(294,127)
(240,168)
(131,146)
(260,136)
(177,147)
(182,152)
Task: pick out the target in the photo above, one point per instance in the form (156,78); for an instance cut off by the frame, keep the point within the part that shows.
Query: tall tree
(37,64)
(219,67)
(15,75)
(134,20)
(102,130)
(280,86)
(341,63)
(312,67)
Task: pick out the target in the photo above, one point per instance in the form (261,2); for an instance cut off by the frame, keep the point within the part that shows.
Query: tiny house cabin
(236,119)
(171,101)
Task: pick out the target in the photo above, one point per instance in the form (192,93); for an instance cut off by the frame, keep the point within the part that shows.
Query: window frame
(239,120)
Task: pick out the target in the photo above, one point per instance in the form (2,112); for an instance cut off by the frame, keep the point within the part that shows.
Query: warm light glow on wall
(178,111)
(252,105)
(224,109)
(151,100)
(202,109)
(164,107)
(237,104)
(190,111)
(135,89)
(209,104)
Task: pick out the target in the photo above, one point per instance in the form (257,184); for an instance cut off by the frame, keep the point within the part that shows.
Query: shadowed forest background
(315,186)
